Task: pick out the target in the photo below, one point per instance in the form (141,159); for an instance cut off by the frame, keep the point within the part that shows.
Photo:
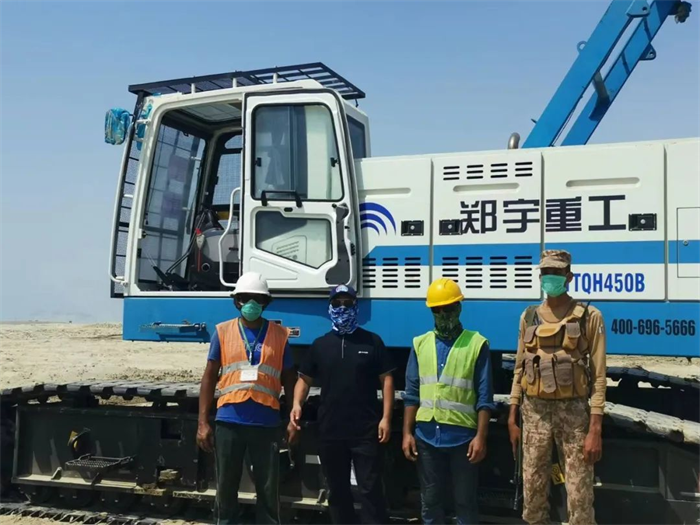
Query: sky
(439,77)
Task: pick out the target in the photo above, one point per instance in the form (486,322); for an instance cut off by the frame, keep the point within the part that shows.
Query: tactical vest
(234,358)
(450,398)
(555,361)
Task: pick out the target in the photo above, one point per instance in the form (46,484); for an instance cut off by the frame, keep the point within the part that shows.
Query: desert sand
(62,352)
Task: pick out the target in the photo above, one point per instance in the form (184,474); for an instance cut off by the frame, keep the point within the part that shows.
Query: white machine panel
(605,205)
(394,198)
(487,222)
(683,183)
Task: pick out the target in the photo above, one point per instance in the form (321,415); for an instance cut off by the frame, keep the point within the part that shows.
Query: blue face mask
(554,285)
(344,318)
(251,311)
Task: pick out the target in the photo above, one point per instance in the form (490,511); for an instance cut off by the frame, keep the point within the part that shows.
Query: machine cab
(255,177)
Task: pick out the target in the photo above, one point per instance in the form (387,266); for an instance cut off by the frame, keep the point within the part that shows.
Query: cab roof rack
(314,71)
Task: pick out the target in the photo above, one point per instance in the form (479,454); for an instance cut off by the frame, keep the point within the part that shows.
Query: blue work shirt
(249,412)
(443,435)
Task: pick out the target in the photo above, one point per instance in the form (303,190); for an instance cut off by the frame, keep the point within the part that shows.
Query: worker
(448,401)
(350,364)
(560,360)
(254,360)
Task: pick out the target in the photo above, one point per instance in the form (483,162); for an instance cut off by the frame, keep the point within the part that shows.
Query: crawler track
(155,423)
(72,515)
(648,391)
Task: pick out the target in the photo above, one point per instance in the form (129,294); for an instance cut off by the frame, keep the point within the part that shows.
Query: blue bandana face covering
(344,318)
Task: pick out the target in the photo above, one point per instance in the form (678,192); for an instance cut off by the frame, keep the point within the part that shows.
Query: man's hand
(384,430)
(592,447)
(295,417)
(294,424)
(477,449)
(409,447)
(292,433)
(205,437)
(205,434)
(514,434)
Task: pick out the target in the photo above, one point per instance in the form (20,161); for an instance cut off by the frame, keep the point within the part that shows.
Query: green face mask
(554,285)
(251,311)
(447,324)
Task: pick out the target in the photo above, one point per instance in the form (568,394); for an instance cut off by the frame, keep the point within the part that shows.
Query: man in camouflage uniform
(560,364)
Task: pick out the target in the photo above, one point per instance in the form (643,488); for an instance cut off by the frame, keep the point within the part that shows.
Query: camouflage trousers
(566,423)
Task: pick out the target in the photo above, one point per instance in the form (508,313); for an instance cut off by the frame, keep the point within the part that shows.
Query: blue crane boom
(586,69)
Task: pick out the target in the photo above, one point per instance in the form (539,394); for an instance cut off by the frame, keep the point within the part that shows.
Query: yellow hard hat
(443,292)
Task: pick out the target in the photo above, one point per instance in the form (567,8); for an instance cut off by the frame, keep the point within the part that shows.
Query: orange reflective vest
(267,388)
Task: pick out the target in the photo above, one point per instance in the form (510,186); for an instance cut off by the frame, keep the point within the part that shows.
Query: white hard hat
(253,283)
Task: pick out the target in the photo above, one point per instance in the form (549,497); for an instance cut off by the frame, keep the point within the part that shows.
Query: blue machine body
(632,327)
(398,321)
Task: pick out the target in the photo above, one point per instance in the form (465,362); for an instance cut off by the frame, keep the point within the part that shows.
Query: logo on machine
(294,331)
(375,216)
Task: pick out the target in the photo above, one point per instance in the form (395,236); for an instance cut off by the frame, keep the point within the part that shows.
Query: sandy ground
(9,520)
(41,353)
(59,352)
(672,366)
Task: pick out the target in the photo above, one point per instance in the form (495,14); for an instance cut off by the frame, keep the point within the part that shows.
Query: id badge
(249,373)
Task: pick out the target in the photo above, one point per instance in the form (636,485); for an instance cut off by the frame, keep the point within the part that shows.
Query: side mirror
(117,122)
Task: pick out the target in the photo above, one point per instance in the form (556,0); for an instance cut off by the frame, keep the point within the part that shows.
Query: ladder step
(97,464)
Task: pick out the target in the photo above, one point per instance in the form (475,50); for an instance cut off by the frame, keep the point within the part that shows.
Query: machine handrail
(223,235)
(117,211)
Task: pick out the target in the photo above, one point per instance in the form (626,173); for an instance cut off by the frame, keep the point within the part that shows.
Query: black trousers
(262,447)
(366,456)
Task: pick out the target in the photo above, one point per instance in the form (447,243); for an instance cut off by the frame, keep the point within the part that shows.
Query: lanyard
(250,350)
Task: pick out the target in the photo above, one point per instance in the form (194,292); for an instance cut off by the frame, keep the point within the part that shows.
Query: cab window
(295,154)
(357,138)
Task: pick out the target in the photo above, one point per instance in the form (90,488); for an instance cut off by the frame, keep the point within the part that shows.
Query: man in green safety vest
(448,401)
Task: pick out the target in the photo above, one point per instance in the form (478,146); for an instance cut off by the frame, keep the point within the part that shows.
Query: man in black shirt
(349,363)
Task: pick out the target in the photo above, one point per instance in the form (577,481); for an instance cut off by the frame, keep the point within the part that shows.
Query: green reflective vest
(451,398)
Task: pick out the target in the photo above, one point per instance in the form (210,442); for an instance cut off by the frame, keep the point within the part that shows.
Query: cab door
(299,218)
